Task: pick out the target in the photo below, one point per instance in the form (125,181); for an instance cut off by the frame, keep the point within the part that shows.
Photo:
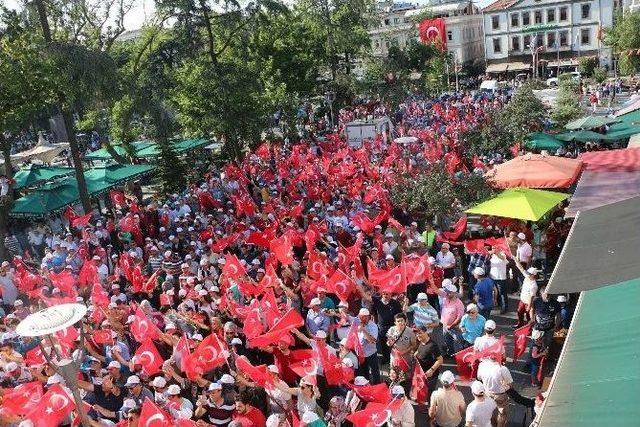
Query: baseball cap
(472,307)
(215,386)
(562,298)
(522,236)
(227,379)
(447,377)
(532,270)
(309,417)
(11,366)
(315,301)
(477,388)
(343,342)
(173,389)
(321,334)
(479,271)
(448,286)
(397,390)
(159,382)
(236,341)
(274,369)
(132,380)
(490,325)
(422,296)
(363,312)
(536,334)
(360,381)
(114,364)
(389,257)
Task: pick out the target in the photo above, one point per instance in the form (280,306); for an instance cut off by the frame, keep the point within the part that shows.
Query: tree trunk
(67,118)
(210,38)
(7,202)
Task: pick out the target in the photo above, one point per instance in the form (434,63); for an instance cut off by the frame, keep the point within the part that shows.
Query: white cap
(562,298)
(18,302)
(388,235)
(490,325)
(343,342)
(343,304)
(321,334)
(197,337)
(167,254)
(478,271)
(55,379)
(169,326)
(236,341)
(532,270)
(477,388)
(397,390)
(215,386)
(309,417)
(472,307)
(522,236)
(173,389)
(129,404)
(347,362)
(422,296)
(363,312)
(159,382)
(315,301)
(274,369)
(447,377)
(536,334)
(114,364)
(132,380)
(227,379)
(389,257)
(360,381)
(448,285)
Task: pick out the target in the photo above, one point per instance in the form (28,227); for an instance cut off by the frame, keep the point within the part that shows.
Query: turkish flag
(21,399)
(253,326)
(282,249)
(416,269)
(181,352)
(270,279)
(68,335)
(81,220)
(391,281)
(137,279)
(70,214)
(258,374)
(54,406)
(152,416)
(142,328)
(269,307)
(341,285)
(88,274)
(259,238)
(317,265)
(374,193)
(331,365)
(289,321)
(102,336)
(207,202)
(458,230)
(375,414)
(419,387)
(363,222)
(520,340)
(353,342)
(64,281)
(210,353)
(465,363)
(222,243)
(399,361)
(433,31)
(306,367)
(233,268)
(99,296)
(148,357)
(495,349)
(117,198)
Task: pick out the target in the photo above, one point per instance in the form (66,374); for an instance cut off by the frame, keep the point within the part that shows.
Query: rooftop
(500,5)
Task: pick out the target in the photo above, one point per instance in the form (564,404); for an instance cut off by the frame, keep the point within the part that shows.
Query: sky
(144,8)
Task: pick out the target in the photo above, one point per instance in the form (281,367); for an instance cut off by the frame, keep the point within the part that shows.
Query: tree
(624,38)
(567,107)
(436,193)
(523,114)
(587,65)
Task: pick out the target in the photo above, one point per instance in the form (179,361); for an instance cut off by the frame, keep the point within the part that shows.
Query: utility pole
(67,118)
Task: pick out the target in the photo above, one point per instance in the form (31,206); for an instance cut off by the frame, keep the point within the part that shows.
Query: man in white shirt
(447,261)
(497,381)
(481,411)
(527,293)
(498,272)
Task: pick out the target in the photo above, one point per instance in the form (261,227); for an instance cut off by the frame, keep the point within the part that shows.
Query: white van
(489,86)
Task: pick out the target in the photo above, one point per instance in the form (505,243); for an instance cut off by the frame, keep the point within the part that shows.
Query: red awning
(627,159)
(536,171)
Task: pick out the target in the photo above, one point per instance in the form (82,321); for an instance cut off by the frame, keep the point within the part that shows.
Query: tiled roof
(500,5)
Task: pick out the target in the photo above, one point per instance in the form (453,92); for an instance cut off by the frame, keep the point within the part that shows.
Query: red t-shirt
(253,418)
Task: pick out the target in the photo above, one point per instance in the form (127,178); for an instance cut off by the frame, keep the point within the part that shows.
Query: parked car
(553,81)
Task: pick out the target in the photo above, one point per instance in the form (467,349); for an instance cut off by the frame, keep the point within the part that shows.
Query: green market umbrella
(35,174)
(180,147)
(520,203)
(581,136)
(621,133)
(116,173)
(591,122)
(542,141)
(103,153)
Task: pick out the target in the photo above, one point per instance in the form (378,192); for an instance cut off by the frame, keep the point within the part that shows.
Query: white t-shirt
(524,252)
(445,261)
(495,377)
(498,270)
(529,289)
(480,412)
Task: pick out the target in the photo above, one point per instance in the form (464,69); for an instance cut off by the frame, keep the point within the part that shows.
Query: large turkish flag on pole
(433,31)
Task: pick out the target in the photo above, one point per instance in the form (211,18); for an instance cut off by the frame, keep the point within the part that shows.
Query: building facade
(547,33)
(397,24)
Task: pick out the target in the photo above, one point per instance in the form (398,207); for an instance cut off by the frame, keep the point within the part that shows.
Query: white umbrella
(406,140)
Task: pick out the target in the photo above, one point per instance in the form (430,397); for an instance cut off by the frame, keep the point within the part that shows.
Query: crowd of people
(285,290)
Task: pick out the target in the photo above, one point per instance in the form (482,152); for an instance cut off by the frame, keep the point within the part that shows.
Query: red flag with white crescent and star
(153,416)
(22,398)
(53,407)
(433,31)
(149,358)
(142,328)
(520,340)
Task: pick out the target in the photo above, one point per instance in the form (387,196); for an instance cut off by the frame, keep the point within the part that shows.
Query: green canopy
(103,153)
(116,173)
(179,147)
(35,174)
(621,133)
(581,136)
(542,141)
(590,122)
(630,118)
(520,203)
(597,379)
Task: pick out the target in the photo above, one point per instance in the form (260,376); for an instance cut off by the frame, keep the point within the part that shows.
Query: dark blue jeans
(370,368)
(503,294)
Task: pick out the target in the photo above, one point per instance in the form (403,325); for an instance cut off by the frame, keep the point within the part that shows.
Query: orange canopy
(536,171)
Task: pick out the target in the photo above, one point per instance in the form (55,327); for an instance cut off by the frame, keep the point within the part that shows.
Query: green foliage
(567,107)
(600,74)
(436,193)
(435,75)
(587,66)
(624,37)
(171,168)
(523,114)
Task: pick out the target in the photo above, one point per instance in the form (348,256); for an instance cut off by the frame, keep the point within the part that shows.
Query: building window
(515,20)
(386,21)
(497,46)
(396,20)
(515,43)
(564,38)
(525,18)
(539,40)
(563,13)
(551,39)
(449,35)
(495,22)
(526,42)
(551,15)
(585,36)
(537,17)
(586,11)
(406,20)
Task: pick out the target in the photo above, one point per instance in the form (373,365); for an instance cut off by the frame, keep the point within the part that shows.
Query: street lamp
(44,324)
(329,98)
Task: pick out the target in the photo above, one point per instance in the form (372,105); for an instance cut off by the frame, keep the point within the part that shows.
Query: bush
(567,106)
(587,66)
(599,74)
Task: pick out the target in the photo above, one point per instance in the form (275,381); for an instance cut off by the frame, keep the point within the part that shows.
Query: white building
(463,25)
(563,30)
